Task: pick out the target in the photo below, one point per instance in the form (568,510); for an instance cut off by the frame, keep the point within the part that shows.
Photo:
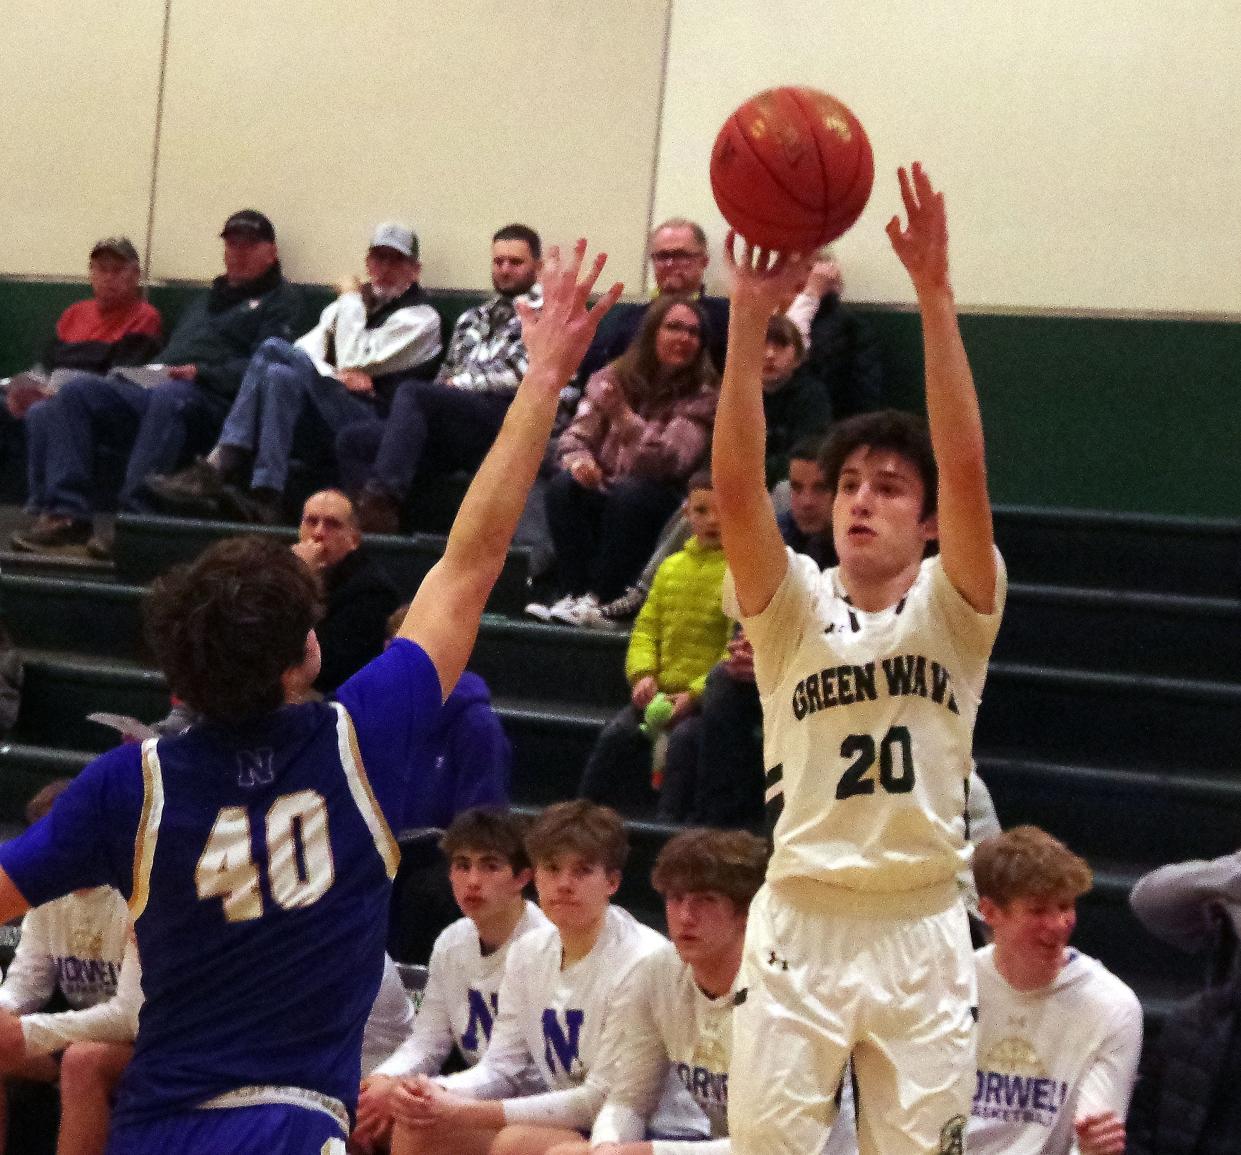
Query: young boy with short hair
(1059,1035)
(488,870)
(681,632)
(556,999)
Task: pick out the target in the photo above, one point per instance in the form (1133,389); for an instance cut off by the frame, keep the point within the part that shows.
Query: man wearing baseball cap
(154,416)
(346,369)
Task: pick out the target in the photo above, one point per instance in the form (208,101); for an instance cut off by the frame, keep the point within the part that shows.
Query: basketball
(791,169)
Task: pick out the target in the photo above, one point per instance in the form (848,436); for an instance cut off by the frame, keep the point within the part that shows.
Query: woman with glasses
(643,426)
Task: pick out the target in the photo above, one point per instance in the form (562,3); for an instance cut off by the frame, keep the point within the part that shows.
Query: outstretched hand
(558,334)
(922,245)
(763,280)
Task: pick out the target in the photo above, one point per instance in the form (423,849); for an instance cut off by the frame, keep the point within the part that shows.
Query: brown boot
(378,512)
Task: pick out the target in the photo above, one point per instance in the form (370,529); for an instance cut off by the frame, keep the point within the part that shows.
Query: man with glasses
(679,257)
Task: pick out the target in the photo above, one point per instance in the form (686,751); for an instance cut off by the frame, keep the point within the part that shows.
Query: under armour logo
(831,628)
(776,961)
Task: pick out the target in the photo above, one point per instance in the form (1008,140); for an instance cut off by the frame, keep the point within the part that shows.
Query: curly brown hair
(637,370)
(730,862)
(890,430)
(226,627)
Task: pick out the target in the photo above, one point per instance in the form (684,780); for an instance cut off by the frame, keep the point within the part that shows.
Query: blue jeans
(432,429)
(153,427)
(280,385)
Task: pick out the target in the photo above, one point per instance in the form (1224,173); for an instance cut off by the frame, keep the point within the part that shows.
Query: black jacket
(360,599)
(221,328)
(1186,1100)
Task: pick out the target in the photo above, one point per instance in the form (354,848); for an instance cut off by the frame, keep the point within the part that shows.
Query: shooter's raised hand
(558,334)
(922,245)
(763,280)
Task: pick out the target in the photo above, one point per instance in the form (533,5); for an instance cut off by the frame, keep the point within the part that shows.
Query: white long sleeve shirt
(79,944)
(553,1018)
(1048,1057)
(406,339)
(459,1001)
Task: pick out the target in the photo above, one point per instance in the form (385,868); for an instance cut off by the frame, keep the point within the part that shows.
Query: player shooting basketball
(870,676)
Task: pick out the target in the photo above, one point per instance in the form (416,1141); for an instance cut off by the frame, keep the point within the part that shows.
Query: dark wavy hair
(638,370)
(226,627)
(730,862)
(885,430)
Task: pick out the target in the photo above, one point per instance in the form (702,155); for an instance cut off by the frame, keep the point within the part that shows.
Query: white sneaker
(574,611)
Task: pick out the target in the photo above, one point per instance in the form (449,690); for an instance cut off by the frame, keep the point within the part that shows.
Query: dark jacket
(819,546)
(844,355)
(221,328)
(360,599)
(469,761)
(800,408)
(1186,1101)
(621,324)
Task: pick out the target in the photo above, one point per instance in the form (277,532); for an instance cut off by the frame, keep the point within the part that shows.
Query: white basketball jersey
(868,722)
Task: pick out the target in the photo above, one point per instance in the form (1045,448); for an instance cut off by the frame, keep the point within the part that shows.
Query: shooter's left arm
(966,534)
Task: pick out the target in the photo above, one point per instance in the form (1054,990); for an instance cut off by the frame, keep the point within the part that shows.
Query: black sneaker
(52,531)
(193,492)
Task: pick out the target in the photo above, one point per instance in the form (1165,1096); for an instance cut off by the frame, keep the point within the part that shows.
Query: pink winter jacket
(664,443)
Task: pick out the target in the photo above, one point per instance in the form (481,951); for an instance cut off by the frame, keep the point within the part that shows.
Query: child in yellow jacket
(680,634)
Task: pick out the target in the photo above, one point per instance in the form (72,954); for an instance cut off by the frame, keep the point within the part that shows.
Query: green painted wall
(1093,413)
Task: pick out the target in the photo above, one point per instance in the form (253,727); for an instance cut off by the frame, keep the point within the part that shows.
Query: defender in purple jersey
(255,849)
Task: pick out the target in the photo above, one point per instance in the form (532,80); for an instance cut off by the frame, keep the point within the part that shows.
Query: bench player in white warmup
(870,676)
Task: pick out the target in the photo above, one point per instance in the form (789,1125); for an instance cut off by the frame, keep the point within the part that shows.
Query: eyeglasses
(680,327)
(678,256)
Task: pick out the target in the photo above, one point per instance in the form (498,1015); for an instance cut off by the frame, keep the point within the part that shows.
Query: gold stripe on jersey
(148,827)
(360,788)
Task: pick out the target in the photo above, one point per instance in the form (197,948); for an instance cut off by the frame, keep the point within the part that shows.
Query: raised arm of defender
(966,536)
(445,613)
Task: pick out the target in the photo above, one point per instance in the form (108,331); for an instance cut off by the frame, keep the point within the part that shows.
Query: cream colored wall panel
(456,117)
(1088,150)
(78,84)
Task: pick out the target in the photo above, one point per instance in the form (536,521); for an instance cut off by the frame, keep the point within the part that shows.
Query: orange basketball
(791,169)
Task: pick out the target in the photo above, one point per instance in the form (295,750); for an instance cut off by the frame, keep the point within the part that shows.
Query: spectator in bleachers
(679,259)
(301,394)
(154,417)
(115,326)
(1186,1097)
(77,949)
(1058,1034)
(729,780)
(488,869)
(448,424)
(841,347)
(556,997)
(467,761)
(797,409)
(358,595)
(679,635)
(641,430)
(796,404)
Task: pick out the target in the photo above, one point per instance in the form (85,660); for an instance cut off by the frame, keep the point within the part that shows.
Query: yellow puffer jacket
(682,631)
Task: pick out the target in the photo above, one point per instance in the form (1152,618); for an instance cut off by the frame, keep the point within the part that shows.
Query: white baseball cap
(394,235)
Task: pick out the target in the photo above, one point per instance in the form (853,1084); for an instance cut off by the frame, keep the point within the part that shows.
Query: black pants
(603,539)
(729,790)
(618,771)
